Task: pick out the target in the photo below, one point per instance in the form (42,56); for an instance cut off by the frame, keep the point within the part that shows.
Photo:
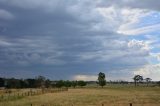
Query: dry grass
(109,96)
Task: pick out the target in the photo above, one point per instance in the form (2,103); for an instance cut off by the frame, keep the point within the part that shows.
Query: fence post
(2,96)
(102,104)
(31,104)
(130,104)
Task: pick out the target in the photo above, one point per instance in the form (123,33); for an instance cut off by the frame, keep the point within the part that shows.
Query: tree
(47,83)
(13,83)
(148,80)
(74,84)
(2,81)
(137,79)
(60,83)
(67,83)
(40,81)
(23,84)
(31,83)
(158,83)
(82,83)
(101,79)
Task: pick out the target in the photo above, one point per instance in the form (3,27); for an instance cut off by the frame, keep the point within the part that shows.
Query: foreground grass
(109,96)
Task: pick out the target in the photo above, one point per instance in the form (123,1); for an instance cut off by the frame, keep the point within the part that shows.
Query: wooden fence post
(130,104)
(31,104)
(102,104)
(2,96)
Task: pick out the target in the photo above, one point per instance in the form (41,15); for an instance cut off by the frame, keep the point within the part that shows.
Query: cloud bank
(65,40)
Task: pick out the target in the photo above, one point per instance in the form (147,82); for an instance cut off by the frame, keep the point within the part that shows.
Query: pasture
(91,96)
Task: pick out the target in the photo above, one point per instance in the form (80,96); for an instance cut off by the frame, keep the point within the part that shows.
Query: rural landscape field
(79,52)
(114,95)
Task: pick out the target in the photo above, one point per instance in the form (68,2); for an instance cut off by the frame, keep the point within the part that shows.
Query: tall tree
(137,79)
(148,80)
(101,79)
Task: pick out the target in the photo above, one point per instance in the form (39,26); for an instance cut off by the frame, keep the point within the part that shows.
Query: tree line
(42,82)
(138,79)
(39,82)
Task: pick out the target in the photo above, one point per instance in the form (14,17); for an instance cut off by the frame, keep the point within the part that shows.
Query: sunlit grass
(111,96)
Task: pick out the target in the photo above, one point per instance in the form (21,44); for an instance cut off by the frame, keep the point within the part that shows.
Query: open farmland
(108,96)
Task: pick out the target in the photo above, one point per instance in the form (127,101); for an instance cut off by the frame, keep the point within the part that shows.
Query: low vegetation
(109,96)
(44,92)
(38,82)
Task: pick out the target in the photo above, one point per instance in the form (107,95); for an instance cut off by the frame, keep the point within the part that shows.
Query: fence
(31,92)
(118,104)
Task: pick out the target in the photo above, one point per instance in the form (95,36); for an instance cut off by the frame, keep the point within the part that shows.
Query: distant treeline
(42,82)
(129,83)
(38,82)
(132,82)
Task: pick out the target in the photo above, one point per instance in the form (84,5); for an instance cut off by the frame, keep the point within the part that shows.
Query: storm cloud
(63,39)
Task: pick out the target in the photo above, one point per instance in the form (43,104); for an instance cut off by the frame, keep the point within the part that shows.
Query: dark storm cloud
(57,37)
(142,4)
(146,4)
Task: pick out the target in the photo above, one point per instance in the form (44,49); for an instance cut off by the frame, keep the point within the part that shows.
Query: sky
(77,39)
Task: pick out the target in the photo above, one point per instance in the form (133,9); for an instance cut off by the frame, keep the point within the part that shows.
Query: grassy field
(109,96)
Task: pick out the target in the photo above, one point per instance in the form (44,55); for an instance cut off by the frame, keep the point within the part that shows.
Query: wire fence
(18,95)
(109,104)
